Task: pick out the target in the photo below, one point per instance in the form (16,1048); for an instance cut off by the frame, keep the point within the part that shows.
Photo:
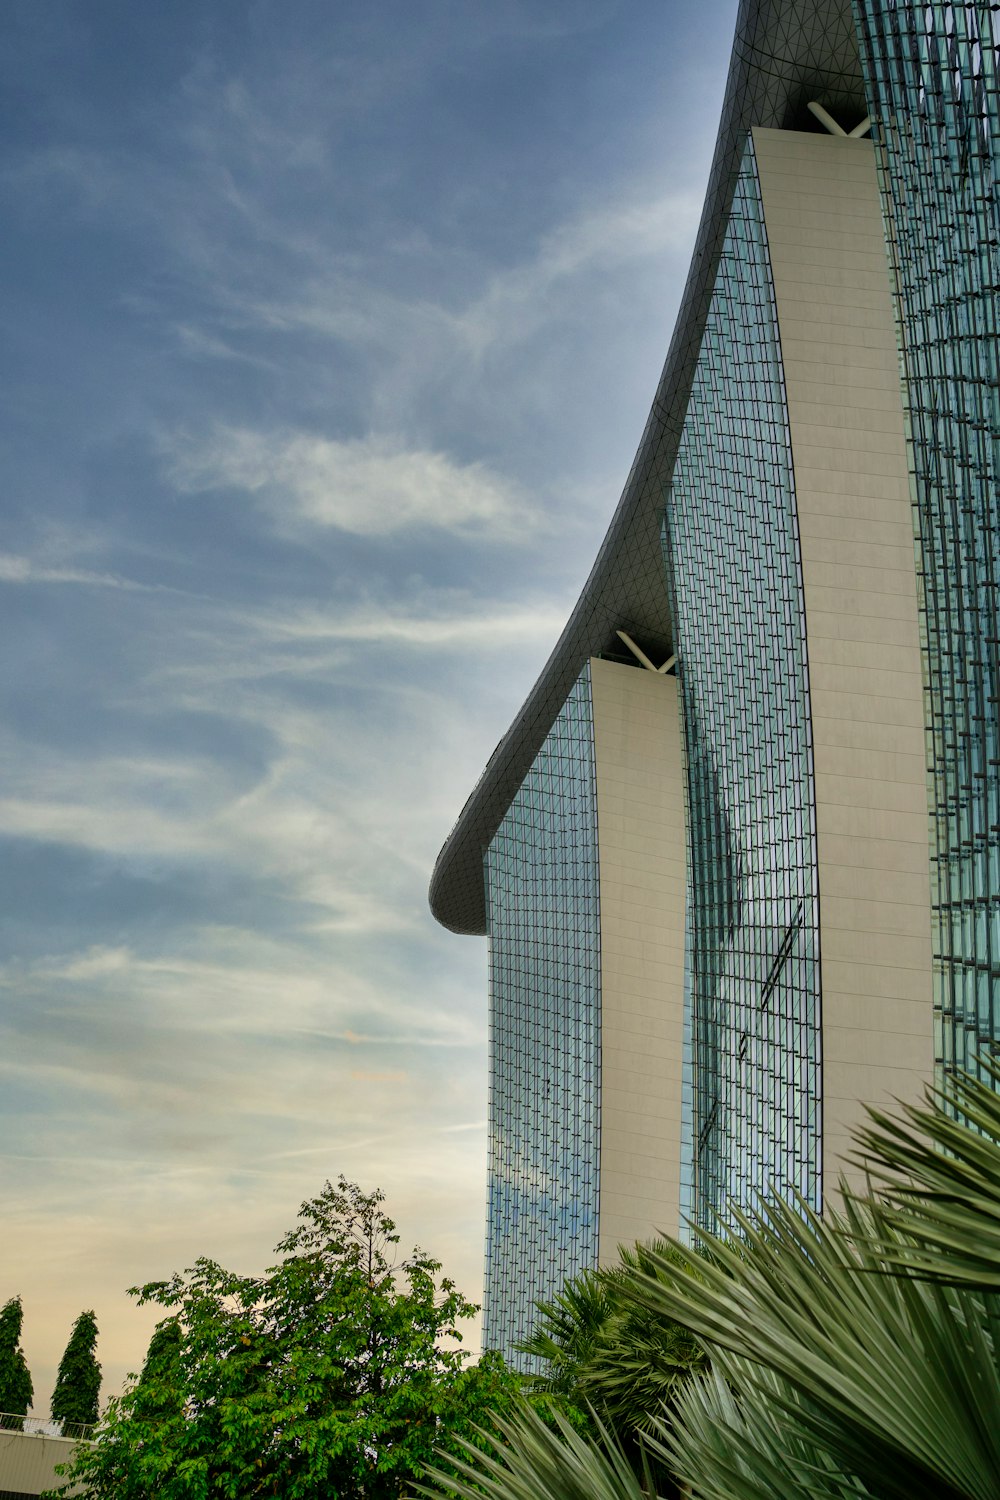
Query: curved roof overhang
(786,53)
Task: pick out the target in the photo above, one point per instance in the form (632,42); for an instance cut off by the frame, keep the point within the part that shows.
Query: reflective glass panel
(544,943)
(932,73)
(732,554)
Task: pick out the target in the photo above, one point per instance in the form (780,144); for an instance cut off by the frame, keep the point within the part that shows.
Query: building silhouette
(738,856)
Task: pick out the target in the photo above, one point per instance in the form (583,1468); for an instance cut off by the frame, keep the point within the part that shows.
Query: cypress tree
(163,1355)
(159,1391)
(78,1383)
(16,1389)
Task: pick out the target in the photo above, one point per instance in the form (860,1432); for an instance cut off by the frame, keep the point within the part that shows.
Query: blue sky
(329,332)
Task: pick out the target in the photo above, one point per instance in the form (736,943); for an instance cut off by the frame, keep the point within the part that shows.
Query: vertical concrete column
(838,344)
(642,858)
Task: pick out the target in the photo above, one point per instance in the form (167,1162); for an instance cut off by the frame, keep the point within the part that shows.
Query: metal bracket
(641,656)
(829,123)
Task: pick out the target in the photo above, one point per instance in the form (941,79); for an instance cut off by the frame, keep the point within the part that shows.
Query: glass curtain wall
(733,565)
(544,944)
(932,73)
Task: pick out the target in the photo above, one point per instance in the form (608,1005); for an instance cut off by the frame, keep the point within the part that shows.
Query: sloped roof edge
(785,53)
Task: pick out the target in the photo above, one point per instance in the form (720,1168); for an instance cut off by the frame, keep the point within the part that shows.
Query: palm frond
(530,1460)
(938,1168)
(566,1328)
(729,1448)
(895,1378)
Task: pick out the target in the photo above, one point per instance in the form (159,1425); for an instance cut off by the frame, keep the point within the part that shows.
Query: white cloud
(644,225)
(236,982)
(18,569)
(369,486)
(603,241)
(497,628)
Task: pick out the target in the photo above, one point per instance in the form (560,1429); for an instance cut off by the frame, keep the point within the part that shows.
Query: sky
(328,335)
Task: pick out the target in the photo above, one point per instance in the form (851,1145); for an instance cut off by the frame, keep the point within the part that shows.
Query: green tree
(78,1382)
(159,1391)
(162,1362)
(335,1374)
(16,1389)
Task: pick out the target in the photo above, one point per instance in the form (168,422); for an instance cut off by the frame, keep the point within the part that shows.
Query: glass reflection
(543,921)
(732,554)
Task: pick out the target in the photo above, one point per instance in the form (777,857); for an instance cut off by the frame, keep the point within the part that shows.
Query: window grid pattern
(544,945)
(932,73)
(733,564)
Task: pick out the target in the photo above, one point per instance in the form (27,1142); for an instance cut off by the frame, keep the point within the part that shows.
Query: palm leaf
(566,1328)
(939,1169)
(729,1448)
(895,1378)
(531,1460)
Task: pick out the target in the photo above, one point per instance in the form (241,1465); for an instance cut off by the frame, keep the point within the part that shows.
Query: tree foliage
(335,1374)
(162,1362)
(78,1382)
(16,1389)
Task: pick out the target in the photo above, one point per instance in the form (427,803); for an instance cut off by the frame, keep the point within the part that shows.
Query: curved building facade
(738,857)
(731,526)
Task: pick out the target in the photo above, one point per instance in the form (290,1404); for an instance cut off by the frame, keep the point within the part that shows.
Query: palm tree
(605,1355)
(565,1333)
(857,1355)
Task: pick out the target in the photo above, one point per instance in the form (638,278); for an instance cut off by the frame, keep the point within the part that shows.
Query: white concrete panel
(642,862)
(835,319)
(28,1462)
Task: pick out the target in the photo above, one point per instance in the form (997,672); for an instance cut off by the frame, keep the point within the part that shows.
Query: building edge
(785,53)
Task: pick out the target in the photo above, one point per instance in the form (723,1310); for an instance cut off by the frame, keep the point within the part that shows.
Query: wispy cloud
(235,982)
(496,628)
(15,568)
(83,174)
(274,830)
(601,241)
(309,320)
(369,486)
(577,270)
(307,811)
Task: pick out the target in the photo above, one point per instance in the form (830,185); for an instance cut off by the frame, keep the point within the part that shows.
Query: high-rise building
(738,857)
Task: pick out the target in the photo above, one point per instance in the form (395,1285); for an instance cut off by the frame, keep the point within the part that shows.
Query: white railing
(46,1427)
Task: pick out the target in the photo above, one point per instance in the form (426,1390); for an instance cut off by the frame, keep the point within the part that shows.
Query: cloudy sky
(329,331)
